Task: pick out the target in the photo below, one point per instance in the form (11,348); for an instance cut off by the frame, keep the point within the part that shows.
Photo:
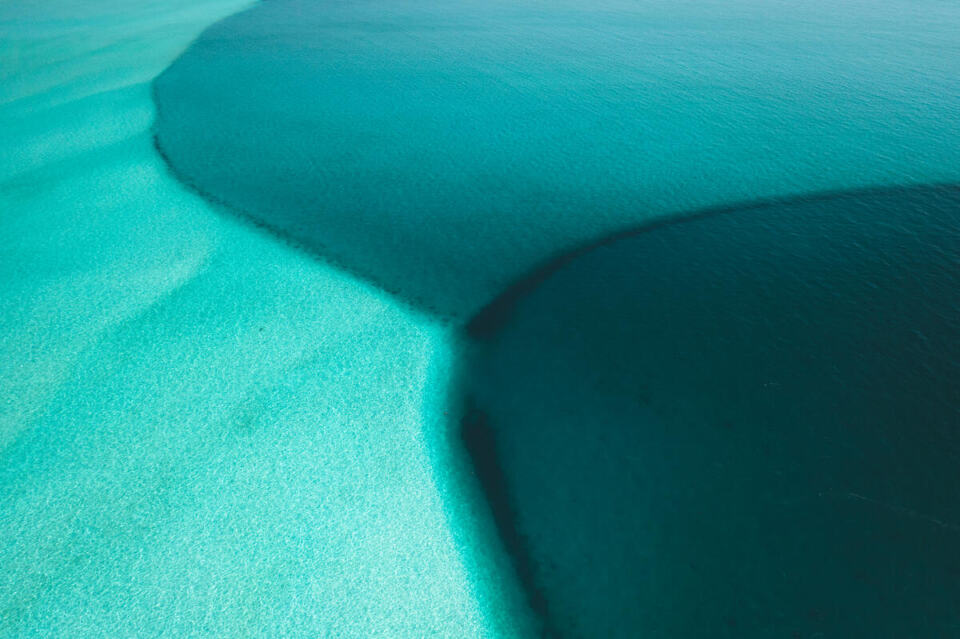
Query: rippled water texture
(746,424)
(721,420)
(443,149)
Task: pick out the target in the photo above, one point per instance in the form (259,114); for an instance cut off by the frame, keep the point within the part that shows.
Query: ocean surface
(444,148)
(479,319)
(741,424)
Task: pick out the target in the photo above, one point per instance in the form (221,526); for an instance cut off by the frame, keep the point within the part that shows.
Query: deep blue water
(746,424)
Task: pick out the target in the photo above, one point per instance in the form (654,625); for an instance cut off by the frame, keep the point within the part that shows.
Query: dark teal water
(742,425)
(444,148)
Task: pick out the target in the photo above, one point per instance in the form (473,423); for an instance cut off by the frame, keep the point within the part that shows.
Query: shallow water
(745,424)
(203,433)
(442,149)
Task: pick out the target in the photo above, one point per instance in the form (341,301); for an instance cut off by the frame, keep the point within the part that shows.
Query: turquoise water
(203,433)
(746,424)
(207,431)
(442,149)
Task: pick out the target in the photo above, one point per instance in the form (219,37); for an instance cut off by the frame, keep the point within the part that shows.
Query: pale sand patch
(202,431)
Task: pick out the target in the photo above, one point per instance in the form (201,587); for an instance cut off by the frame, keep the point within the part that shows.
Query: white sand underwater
(203,432)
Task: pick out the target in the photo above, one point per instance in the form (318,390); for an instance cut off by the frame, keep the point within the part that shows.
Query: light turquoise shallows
(203,433)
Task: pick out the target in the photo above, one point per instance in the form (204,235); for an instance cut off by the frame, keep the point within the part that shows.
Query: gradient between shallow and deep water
(444,148)
(744,423)
(203,432)
(207,432)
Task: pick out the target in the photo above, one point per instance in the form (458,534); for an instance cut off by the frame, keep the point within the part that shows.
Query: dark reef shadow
(492,316)
(480,443)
